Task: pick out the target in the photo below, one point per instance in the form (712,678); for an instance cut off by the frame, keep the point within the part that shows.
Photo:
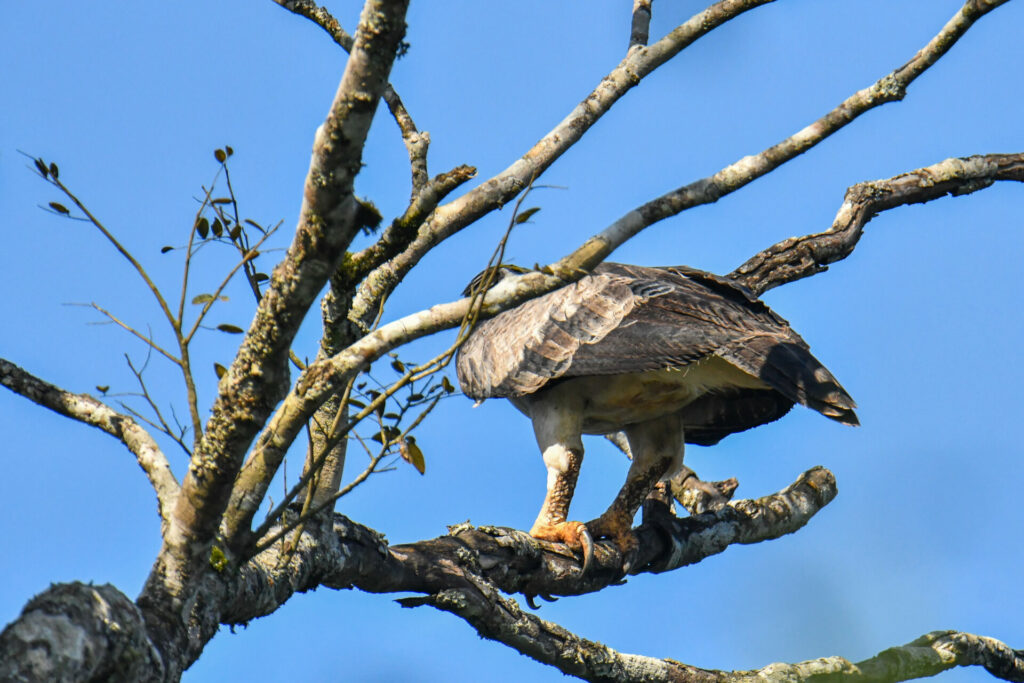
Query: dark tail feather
(793,371)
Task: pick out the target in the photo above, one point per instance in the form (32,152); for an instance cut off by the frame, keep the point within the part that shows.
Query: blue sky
(921,324)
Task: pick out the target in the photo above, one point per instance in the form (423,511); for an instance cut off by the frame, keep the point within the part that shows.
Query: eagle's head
(490,277)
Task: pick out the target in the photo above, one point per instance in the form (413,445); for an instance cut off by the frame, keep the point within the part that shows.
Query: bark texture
(209,573)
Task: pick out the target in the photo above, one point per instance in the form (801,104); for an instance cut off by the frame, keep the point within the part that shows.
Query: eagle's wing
(696,314)
(520,350)
(626,319)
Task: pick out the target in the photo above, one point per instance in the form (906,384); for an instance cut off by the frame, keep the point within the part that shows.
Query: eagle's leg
(657,447)
(557,428)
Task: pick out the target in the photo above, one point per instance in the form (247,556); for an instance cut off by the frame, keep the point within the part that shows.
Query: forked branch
(416,143)
(799,257)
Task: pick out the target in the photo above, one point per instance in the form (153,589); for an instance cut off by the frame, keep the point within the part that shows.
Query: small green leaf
(260,277)
(236,232)
(392,416)
(217,228)
(220,370)
(164,250)
(203,227)
(357,404)
(448,388)
(252,223)
(386,436)
(219,155)
(415,397)
(54,171)
(412,454)
(41,167)
(398,365)
(202,298)
(59,208)
(221,200)
(103,388)
(526,215)
(227,148)
(230,329)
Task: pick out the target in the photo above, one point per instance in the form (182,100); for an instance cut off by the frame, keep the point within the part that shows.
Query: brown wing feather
(625,319)
(519,351)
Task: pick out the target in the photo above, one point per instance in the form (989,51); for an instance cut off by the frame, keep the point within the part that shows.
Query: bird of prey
(667,356)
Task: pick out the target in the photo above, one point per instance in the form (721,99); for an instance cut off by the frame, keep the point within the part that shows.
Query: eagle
(666,356)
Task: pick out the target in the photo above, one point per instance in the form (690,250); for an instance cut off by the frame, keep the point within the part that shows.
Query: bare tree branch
(79,632)
(416,143)
(503,187)
(463,573)
(501,619)
(87,409)
(330,217)
(397,237)
(131,330)
(890,88)
(799,257)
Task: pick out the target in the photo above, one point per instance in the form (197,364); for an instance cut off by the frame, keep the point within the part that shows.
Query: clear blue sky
(922,324)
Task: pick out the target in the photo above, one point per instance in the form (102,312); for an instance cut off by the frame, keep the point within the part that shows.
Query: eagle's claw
(573,534)
(588,548)
(618,528)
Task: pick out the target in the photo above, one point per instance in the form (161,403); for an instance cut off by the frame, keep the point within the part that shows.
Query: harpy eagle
(667,356)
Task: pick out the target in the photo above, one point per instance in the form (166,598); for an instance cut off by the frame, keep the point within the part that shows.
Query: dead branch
(799,257)
(502,188)
(416,143)
(87,409)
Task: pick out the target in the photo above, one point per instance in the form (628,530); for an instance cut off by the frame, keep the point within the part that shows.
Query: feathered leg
(657,449)
(557,427)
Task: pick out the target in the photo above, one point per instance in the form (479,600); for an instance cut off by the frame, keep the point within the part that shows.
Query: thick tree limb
(799,257)
(343,554)
(461,573)
(464,571)
(85,408)
(78,632)
(330,217)
(498,618)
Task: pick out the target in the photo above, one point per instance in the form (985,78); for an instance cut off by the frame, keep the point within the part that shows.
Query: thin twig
(125,326)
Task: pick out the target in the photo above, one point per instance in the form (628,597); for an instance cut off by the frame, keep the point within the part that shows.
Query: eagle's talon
(587,541)
(573,534)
